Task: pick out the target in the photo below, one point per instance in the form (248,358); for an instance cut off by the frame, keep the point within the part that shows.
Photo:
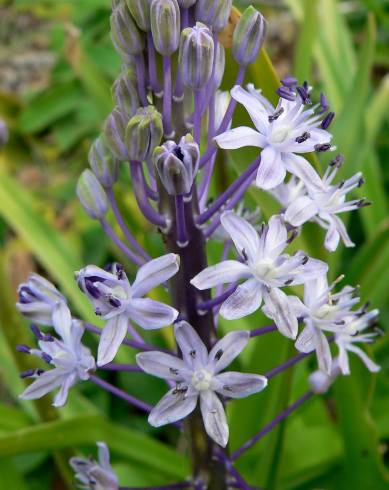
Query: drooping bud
(114,130)
(125,93)
(124,32)
(220,64)
(140,10)
(196,56)
(165,25)
(4,135)
(214,13)
(92,195)
(105,166)
(144,132)
(248,36)
(177,165)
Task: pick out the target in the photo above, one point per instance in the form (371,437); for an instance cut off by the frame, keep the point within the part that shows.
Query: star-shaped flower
(265,268)
(93,475)
(281,131)
(71,360)
(117,301)
(323,202)
(198,376)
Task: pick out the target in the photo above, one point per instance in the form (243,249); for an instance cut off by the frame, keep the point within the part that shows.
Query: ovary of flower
(71,360)
(265,269)
(281,131)
(118,301)
(198,377)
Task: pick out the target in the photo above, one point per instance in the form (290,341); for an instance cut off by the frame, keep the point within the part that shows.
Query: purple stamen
(286,93)
(325,124)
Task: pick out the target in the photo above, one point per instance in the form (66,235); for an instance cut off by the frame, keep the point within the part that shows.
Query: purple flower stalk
(168,124)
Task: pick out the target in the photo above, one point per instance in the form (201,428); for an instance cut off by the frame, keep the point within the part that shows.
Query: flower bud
(177,165)
(114,130)
(104,165)
(214,13)
(125,93)
(92,195)
(196,56)
(165,25)
(144,132)
(3,133)
(140,10)
(124,32)
(220,64)
(248,36)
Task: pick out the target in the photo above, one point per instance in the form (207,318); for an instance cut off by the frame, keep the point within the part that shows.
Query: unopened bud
(144,132)
(104,164)
(214,13)
(140,10)
(124,32)
(3,133)
(114,130)
(196,56)
(248,36)
(177,165)
(165,25)
(125,93)
(92,195)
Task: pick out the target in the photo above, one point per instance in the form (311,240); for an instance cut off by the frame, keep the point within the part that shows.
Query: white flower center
(264,269)
(324,311)
(201,380)
(279,134)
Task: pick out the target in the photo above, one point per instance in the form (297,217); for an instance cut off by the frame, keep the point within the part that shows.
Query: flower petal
(275,238)
(369,363)
(150,314)
(300,211)
(214,417)
(37,312)
(46,382)
(162,365)
(175,405)
(227,349)
(111,339)
(62,321)
(281,310)
(323,351)
(246,299)
(62,395)
(238,385)
(302,169)
(242,233)
(344,364)
(154,273)
(343,232)
(239,138)
(193,350)
(259,114)
(306,340)
(332,237)
(271,170)
(224,272)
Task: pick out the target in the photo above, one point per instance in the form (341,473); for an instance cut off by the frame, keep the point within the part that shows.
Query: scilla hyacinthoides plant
(168,124)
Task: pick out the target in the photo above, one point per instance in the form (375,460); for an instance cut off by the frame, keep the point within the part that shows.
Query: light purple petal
(332,237)
(300,211)
(214,417)
(242,233)
(104,456)
(238,385)
(271,170)
(279,308)
(111,339)
(162,365)
(371,365)
(276,237)
(37,311)
(344,364)
(306,340)
(239,138)
(224,272)
(258,113)
(343,232)
(48,381)
(62,395)
(62,321)
(227,349)
(154,273)
(302,169)
(323,351)
(193,350)
(150,314)
(175,405)
(246,299)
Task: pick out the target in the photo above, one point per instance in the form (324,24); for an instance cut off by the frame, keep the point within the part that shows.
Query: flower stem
(167,97)
(153,76)
(112,235)
(140,76)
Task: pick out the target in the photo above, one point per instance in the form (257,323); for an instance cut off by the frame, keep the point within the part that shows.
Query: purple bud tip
(286,93)
(23,348)
(289,82)
(327,120)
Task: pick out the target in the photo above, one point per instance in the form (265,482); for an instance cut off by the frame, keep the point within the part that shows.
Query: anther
(323,147)
(303,137)
(218,354)
(276,115)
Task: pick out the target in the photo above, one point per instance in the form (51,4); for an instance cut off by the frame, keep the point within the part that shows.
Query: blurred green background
(56,68)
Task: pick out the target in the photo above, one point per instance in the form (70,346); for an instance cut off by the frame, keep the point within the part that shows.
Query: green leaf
(306,41)
(51,248)
(86,430)
(10,478)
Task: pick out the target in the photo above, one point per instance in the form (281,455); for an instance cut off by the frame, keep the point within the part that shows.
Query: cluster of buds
(169,121)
